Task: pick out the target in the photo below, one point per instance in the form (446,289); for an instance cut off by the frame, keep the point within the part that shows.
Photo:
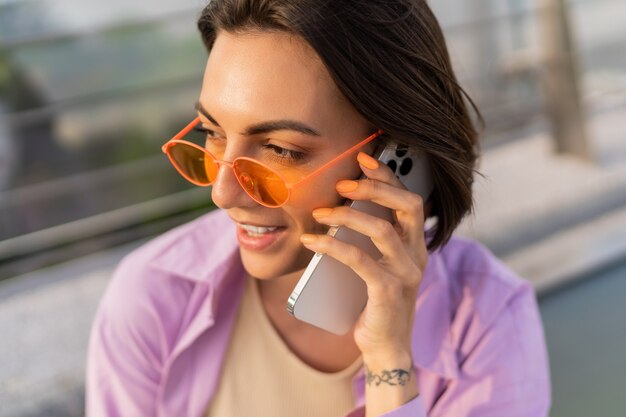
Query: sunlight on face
(254,78)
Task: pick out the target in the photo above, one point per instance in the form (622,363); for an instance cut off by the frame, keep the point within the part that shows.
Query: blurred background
(90,90)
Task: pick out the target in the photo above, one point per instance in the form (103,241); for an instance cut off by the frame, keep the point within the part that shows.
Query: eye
(207,132)
(283,154)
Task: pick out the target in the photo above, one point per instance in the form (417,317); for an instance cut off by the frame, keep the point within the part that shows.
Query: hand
(385,325)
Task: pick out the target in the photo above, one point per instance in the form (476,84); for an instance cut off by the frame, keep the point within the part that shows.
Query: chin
(273,265)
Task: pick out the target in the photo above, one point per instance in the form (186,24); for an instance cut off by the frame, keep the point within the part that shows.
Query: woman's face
(260,77)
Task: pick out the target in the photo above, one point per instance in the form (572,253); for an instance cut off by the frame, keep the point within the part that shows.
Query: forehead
(265,75)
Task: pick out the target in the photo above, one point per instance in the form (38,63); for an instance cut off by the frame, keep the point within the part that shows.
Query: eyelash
(208,132)
(285,154)
(279,153)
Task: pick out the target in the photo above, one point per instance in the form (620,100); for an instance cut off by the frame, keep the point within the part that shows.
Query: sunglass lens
(196,165)
(261,183)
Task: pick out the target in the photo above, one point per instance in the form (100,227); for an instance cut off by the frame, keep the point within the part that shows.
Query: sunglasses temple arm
(338,158)
(182,133)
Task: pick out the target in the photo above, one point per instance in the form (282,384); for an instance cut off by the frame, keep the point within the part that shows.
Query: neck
(317,348)
(275,292)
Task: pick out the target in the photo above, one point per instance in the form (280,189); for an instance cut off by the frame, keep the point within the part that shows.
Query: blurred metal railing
(101,223)
(30,116)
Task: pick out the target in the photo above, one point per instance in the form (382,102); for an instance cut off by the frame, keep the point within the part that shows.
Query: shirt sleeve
(506,372)
(124,357)
(413,408)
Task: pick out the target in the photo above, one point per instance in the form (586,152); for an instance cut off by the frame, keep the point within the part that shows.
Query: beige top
(263,378)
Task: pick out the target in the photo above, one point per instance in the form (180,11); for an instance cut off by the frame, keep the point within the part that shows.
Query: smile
(257,238)
(258,230)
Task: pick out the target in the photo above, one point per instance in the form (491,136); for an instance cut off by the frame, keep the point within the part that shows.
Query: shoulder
(493,311)
(484,333)
(478,278)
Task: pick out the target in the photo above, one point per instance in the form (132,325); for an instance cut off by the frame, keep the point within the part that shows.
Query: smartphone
(330,295)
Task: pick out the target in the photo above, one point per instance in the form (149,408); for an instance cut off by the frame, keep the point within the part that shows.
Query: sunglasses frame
(177,139)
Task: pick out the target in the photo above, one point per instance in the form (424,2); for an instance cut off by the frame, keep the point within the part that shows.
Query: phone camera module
(405,166)
(401,151)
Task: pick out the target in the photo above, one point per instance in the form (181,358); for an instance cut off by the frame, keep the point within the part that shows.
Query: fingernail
(308,238)
(322,212)
(367,161)
(346,186)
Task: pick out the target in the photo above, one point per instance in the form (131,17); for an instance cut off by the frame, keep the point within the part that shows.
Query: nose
(226,191)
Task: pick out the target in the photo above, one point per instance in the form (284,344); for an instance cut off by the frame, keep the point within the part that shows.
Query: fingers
(360,262)
(374,169)
(402,244)
(393,268)
(382,233)
(384,188)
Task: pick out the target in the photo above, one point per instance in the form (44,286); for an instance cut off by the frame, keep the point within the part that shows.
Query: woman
(194,322)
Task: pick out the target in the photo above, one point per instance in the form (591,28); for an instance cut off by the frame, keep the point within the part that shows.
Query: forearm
(390,383)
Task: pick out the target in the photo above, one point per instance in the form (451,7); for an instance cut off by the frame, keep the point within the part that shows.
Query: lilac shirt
(160,334)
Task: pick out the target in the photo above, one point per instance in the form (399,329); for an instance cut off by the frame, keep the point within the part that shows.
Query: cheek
(305,200)
(320,191)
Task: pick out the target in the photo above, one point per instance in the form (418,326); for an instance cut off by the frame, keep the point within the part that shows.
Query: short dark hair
(390,59)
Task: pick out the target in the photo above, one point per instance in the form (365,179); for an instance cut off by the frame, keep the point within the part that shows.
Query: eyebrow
(266,127)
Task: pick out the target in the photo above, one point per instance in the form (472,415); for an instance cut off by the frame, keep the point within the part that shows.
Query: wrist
(391,382)
(398,359)
(392,369)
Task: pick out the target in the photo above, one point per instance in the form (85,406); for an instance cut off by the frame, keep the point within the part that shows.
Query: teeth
(258,230)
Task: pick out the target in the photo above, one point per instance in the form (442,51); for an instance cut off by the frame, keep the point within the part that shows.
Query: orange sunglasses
(263,184)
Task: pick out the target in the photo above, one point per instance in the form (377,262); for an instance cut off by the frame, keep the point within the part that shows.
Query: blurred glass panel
(83,114)
(601,37)
(586,337)
(21,18)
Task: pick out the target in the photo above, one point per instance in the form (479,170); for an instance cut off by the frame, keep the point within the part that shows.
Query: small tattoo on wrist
(390,377)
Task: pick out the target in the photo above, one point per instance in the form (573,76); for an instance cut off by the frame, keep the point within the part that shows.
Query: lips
(259,229)
(255,224)
(258,242)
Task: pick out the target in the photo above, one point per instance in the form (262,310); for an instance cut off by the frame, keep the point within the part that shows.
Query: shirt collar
(194,257)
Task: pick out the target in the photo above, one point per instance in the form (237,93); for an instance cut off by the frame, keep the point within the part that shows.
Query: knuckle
(357,256)
(414,279)
(393,291)
(416,202)
(373,186)
(423,261)
(341,211)
(324,242)
(382,228)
